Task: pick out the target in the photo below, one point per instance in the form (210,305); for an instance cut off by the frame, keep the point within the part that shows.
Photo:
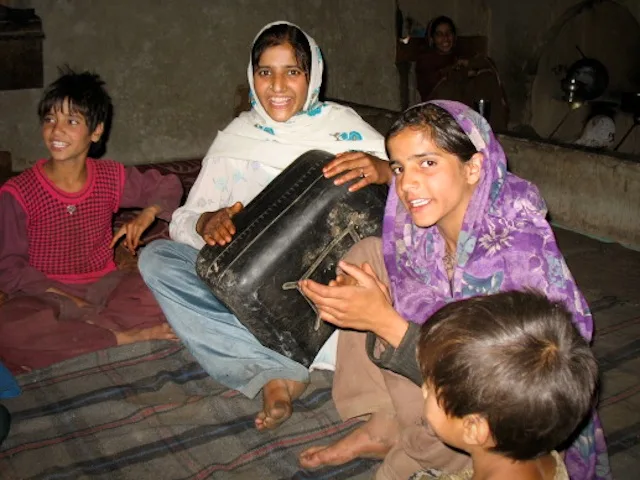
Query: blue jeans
(216,338)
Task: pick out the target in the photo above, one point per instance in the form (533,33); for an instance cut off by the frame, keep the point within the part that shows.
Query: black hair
(436,22)
(516,359)
(440,125)
(87,96)
(280,34)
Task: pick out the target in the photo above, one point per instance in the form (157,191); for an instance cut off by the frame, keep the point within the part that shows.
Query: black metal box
(298,227)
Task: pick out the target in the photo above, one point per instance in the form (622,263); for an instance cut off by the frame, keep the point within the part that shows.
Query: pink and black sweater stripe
(69,233)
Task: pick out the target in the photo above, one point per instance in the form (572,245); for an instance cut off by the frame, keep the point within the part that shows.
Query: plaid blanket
(148,411)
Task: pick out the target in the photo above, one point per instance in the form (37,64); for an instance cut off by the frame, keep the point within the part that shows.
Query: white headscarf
(255,136)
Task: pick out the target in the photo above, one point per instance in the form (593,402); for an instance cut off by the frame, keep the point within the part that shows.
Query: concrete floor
(609,276)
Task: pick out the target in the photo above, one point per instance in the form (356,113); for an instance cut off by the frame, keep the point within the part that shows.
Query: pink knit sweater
(66,235)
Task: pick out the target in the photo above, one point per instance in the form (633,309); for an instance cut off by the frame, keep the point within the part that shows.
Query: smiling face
(280,84)
(66,134)
(443,38)
(433,185)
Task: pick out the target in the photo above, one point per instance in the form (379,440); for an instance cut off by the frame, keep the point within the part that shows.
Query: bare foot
(374,439)
(159,332)
(277,396)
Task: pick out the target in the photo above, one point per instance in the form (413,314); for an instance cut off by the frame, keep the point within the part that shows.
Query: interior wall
(614,38)
(172,66)
(517,33)
(569,179)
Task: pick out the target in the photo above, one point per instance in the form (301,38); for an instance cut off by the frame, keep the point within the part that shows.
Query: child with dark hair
(457,225)
(508,379)
(86,94)
(65,294)
(441,34)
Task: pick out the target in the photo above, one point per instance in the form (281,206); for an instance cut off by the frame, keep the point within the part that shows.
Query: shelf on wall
(21,39)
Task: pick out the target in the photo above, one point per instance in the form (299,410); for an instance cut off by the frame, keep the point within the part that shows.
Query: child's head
(76,96)
(442,34)
(281,62)
(507,372)
(435,164)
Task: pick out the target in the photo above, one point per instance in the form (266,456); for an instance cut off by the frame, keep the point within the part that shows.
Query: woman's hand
(216,228)
(133,230)
(357,299)
(361,165)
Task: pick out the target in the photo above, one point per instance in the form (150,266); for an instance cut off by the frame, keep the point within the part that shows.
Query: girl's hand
(357,300)
(133,230)
(342,280)
(361,165)
(216,228)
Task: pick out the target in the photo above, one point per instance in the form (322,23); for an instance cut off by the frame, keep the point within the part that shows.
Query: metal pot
(591,77)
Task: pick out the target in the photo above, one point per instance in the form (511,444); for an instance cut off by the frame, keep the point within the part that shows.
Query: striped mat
(148,411)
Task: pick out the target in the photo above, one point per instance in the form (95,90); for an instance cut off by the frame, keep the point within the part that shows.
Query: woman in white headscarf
(286,120)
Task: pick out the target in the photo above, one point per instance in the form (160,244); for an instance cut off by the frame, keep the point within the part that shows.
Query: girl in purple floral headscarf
(456,225)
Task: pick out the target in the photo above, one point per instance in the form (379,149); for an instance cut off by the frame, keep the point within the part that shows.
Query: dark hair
(441,126)
(87,96)
(516,359)
(281,34)
(436,22)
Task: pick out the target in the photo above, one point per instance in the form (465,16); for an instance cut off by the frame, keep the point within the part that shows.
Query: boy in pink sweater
(65,296)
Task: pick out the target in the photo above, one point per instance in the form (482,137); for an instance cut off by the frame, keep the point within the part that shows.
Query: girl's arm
(158,193)
(16,275)
(359,301)
(363,304)
(400,358)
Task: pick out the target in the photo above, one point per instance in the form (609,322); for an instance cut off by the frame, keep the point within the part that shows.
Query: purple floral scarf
(505,244)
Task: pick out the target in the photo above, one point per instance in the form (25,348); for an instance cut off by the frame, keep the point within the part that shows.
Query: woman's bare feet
(374,439)
(277,397)
(159,332)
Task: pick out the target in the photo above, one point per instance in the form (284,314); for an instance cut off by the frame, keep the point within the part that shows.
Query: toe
(309,458)
(259,420)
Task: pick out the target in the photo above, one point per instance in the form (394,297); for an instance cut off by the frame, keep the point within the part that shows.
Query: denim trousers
(224,347)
